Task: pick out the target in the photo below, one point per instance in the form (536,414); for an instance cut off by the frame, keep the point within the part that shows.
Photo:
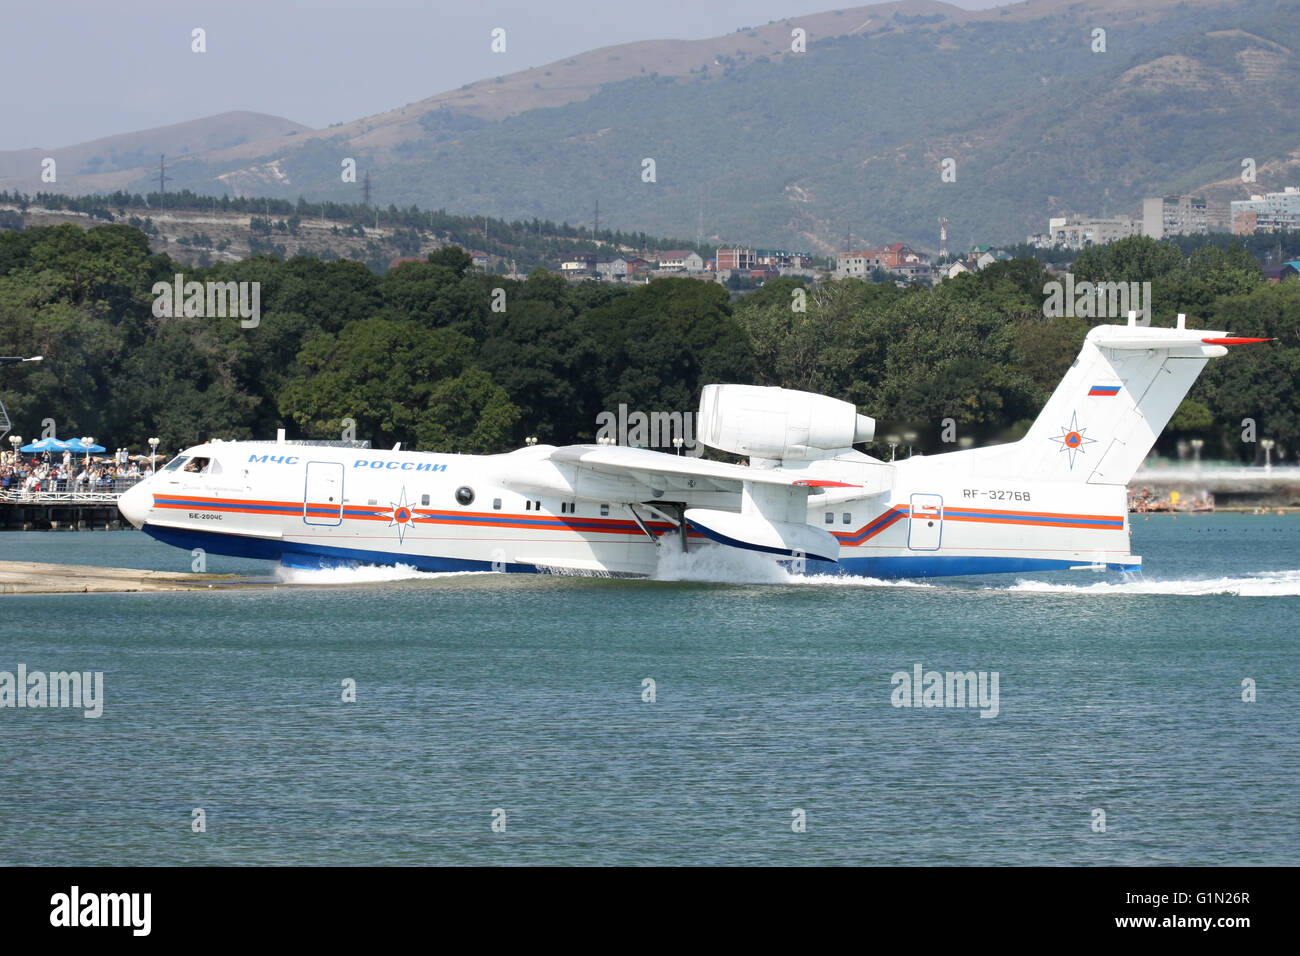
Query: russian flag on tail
(1105,391)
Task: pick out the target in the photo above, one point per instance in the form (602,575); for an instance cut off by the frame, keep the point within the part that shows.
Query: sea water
(726,712)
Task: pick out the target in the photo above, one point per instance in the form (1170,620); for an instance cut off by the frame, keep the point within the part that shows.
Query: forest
(440,356)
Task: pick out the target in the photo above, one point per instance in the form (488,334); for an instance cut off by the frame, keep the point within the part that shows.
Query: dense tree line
(437,355)
(979,350)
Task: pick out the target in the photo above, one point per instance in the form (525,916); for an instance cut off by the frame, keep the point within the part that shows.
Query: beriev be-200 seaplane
(1054,500)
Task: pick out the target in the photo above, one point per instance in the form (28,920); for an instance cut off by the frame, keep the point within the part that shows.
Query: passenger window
(496,504)
(424,500)
(848,518)
(830,517)
(604,510)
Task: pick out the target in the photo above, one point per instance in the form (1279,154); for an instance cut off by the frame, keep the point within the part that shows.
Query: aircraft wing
(670,472)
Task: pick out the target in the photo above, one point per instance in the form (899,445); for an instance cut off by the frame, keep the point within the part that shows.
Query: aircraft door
(323,495)
(925,528)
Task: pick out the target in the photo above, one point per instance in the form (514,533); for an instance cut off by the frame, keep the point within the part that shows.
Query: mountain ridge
(492,148)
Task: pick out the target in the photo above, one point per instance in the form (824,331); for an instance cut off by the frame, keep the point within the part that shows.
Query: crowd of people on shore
(31,475)
(1142,501)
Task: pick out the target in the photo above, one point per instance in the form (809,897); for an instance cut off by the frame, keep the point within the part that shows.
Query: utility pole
(595,228)
(365,189)
(162,180)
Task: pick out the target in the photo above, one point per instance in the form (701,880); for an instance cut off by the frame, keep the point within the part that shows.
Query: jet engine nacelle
(778,423)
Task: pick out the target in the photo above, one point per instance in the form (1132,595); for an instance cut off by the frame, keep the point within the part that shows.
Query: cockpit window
(175,463)
(198,465)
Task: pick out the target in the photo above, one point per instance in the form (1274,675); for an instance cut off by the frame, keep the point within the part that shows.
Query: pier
(65,509)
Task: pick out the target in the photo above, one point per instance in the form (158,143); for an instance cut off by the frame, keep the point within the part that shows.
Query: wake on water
(722,565)
(1259,584)
(362,574)
(716,564)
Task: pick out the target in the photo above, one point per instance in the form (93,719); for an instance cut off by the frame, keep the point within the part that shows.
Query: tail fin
(1110,408)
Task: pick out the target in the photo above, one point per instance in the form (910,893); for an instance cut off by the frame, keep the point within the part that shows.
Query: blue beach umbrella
(45,444)
(76,444)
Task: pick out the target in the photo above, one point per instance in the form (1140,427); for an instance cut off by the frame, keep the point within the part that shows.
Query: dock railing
(69,491)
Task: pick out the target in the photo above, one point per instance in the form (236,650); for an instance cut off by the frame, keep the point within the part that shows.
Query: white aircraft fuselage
(1054,500)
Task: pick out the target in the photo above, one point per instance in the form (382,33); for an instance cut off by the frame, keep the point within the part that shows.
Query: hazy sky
(79,70)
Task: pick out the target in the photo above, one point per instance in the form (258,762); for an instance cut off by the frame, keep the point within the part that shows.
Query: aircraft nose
(134,503)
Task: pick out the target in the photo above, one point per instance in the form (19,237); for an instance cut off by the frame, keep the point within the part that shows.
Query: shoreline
(35,577)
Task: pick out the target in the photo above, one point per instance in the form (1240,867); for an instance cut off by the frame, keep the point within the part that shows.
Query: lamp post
(1197,445)
(1267,444)
(677,444)
(530,441)
(153,454)
(909,437)
(893,441)
(15,440)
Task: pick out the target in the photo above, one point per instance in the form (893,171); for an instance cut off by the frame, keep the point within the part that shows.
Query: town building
(1270,212)
(1078,233)
(983,256)
(899,258)
(852,265)
(782,259)
(615,268)
(1174,216)
(742,259)
(578,264)
(681,261)
(1287,270)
